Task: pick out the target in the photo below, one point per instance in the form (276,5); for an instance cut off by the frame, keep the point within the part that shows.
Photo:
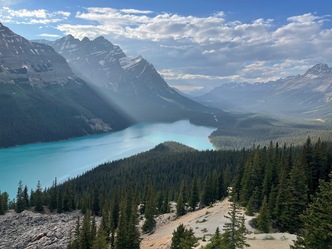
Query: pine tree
(296,199)
(96,204)
(194,196)
(59,207)
(19,207)
(208,195)
(216,241)
(39,199)
(75,242)
(317,219)
(3,203)
(127,235)
(180,208)
(234,231)
(183,238)
(264,218)
(53,196)
(100,241)
(68,198)
(150,210)
(85,233)
(26,197)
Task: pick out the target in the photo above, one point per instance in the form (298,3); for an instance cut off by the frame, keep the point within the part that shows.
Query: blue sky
(193,44)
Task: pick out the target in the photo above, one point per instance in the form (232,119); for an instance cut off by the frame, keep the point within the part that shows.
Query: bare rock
(33,230)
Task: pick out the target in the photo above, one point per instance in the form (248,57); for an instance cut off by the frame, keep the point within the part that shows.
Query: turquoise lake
(69,158)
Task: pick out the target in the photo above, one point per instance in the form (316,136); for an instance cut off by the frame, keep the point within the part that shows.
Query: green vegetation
(53,112)
(250,131)
(278,182)
(234,232)
(317,221)
(183,238)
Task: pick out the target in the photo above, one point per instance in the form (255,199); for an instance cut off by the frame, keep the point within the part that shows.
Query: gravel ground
(204,223)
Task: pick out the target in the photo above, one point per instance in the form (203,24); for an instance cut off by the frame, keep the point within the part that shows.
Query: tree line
(278,182)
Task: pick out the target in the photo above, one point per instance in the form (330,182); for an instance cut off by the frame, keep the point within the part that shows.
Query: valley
(99,151)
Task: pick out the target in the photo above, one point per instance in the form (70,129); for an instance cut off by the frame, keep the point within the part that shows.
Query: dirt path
(204,223)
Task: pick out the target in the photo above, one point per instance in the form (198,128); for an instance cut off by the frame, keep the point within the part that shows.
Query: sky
(194,44)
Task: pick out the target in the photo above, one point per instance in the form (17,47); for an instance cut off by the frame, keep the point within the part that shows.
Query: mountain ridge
(306,96)
(43,99)
(133,83)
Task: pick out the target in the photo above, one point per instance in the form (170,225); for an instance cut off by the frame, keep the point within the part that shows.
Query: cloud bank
(200,50)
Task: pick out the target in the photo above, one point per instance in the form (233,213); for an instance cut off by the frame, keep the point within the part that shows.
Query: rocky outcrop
(34,230)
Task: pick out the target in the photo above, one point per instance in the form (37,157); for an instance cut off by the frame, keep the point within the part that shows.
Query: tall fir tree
(194,196)
(150,210)
(234,230)
(183,238)
(20,204)
(39,198)
(296,199)
(180,207)
(264,218)
(317,220)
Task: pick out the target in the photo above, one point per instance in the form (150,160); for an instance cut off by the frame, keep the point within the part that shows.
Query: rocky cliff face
(41,98)
(30,230)
(132,83)
(29,62)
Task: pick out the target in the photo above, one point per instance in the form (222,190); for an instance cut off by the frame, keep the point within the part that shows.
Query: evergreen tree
(100,241)
(26,197)
(39,198)
(127,235)
(53,196)
(96,204)
(20,204)
(221,187)
(264,218)
(59,203)
(183,238)
(165,207)
(208,195)
(185,192)
(234,231)
(75,242)
(85,233)
(194,196)
(317,220)
(296,199)
(68,199)
(150,211)
(216,241)
(3,203)
(180,208)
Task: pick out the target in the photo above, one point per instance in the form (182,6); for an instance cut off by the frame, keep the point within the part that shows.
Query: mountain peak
(318,70)
(86,39)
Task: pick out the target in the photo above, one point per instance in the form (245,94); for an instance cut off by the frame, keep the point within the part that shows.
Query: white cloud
(134,11)
(49,35)
(200,49)
(25,16)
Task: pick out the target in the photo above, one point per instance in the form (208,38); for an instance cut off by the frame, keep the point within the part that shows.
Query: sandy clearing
(204,223)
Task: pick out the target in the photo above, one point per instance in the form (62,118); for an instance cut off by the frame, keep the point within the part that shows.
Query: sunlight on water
(69,158)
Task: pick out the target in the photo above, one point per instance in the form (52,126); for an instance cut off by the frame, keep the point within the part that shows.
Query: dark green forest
(278,182)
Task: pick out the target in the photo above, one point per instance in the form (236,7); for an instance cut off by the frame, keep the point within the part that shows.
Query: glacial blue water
(69,158)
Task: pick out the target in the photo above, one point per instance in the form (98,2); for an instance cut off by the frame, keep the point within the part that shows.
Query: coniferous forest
(285,185)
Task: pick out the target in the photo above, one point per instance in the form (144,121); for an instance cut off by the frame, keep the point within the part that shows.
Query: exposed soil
(204,223)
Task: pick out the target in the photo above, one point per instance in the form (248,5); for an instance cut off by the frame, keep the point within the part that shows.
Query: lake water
(72,157)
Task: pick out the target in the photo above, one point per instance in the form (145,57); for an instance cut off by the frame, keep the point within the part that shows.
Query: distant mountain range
(133,84)
(306,96)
